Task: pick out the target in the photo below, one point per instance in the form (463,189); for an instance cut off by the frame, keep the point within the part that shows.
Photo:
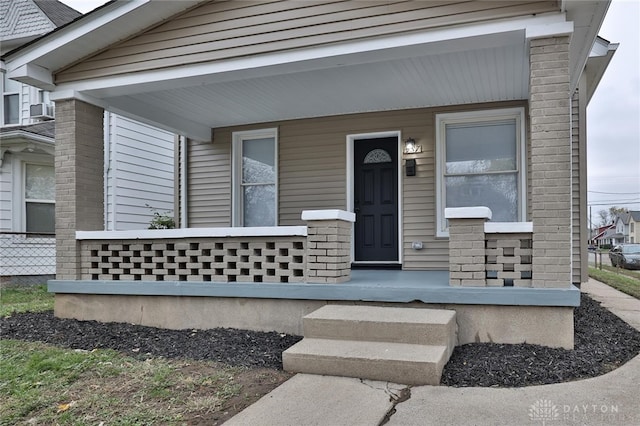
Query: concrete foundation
(542,325)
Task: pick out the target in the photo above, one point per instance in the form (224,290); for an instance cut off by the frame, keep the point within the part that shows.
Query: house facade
(407,153)
(634,222)
(27,148)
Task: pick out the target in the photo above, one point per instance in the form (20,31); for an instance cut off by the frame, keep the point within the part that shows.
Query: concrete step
(403,363)
(382,324)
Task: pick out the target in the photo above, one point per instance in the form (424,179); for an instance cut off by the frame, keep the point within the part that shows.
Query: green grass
(23,299)
(626,283)
(43,384)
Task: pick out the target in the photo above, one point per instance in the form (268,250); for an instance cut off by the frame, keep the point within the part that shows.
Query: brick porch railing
(316,253)
(491,254)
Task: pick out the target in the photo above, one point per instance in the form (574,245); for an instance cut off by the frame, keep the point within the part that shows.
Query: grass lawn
(23,299)
(44,384)
(626,281)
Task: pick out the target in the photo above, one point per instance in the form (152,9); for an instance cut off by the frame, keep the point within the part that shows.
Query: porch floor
(365,285)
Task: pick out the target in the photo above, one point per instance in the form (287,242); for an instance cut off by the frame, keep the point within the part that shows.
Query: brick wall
(467,252)
(549,110)
(329,251)
(79,164)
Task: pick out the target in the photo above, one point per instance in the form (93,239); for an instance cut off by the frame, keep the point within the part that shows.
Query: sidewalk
(610,399)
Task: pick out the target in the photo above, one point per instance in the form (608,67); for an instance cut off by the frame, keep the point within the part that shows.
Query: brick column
(467,246)
(549,110)
(79,165)
(328,245)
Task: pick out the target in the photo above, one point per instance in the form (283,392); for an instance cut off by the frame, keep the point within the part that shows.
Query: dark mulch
(234,347)
(602,343)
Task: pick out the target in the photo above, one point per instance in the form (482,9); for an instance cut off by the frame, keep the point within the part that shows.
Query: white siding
(6,183)
(140,173)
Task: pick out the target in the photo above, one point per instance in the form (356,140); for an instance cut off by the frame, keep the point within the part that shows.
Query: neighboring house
(634,222)
(622,228)
(607,236)
(452,133)
(27,177)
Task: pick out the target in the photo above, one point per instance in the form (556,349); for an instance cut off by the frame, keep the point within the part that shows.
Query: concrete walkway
(611,399)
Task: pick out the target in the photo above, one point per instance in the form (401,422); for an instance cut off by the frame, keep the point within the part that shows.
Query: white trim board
(260,231)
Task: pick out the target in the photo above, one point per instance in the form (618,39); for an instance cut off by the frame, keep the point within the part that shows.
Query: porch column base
(328,245)
(467,245)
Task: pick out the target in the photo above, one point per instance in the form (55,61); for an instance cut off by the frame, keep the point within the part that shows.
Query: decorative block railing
(485,253)
(317,253)
(509,259)
(226,259)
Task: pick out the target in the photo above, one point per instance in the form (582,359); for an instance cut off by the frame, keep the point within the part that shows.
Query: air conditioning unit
(42,111)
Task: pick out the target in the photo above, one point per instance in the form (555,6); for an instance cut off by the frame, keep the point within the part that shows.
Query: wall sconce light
(410,146)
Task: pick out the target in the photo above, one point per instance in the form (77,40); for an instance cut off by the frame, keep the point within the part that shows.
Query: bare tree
(604,217)
(609,216)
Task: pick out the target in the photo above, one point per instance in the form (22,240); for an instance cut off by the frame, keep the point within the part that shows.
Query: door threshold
(374,265)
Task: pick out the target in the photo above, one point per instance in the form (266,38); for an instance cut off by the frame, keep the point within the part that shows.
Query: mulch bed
(234,347)
(602,343)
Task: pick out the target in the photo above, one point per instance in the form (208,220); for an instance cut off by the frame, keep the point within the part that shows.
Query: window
(39,197)
(255,178)
(481,163)
(10,101)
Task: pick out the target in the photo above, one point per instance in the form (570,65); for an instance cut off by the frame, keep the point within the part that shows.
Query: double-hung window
(39,198)
(10,101)
(255,175)
(480,162)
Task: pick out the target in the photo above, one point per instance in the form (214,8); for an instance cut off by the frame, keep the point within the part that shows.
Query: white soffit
(479,75)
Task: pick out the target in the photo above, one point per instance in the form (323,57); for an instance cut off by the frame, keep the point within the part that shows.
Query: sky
(613,115)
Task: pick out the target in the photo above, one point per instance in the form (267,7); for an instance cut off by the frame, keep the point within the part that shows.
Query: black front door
(376,199)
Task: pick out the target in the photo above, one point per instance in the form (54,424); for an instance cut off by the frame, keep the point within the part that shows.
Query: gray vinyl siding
(312,174)
(140,174)
(579,231)
(209,182)
(223,30)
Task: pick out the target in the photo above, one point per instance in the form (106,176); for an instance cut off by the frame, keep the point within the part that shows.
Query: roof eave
(588,16)
(597,64)
(35,62)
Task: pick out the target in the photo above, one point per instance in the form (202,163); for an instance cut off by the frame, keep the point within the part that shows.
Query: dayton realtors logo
(546,411)
(543,411)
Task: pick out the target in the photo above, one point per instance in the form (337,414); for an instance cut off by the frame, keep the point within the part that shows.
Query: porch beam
(426,42)
(151,115)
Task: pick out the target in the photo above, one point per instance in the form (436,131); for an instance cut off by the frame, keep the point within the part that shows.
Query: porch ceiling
(470,70)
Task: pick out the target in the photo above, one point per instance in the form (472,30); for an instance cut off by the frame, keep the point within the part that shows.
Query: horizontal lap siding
(224,30)
(209,182)
(578,194)
(312,173)
(140,173)
(6,190)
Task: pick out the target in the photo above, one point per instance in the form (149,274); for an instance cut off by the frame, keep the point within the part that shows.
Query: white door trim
(351,139)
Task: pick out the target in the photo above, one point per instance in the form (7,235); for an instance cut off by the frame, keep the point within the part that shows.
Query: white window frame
(20,187)
(4,94)
(479,116)
(236,172)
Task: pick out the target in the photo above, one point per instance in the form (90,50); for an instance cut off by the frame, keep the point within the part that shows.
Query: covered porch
(315,90)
